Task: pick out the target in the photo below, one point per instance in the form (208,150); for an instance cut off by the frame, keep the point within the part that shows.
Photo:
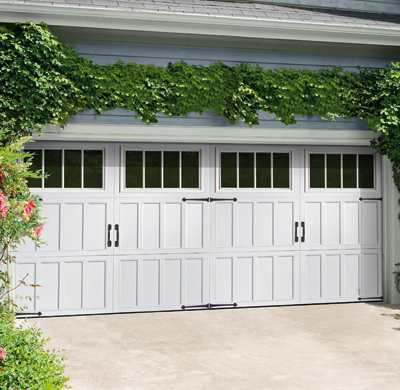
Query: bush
(26,363)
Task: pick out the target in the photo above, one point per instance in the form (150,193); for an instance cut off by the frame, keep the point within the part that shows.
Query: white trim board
(205,134)
(164,23)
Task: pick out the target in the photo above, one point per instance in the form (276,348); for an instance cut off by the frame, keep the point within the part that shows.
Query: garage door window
(255,170)
(68,168)
(350,171)
(162,169)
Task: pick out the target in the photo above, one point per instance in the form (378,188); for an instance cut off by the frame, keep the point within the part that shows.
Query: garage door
(143,227)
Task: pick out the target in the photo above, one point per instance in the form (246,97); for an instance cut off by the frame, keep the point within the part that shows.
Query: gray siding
(103,54)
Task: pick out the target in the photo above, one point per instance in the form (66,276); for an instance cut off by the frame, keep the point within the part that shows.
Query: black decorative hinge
(370,199)
(210,305)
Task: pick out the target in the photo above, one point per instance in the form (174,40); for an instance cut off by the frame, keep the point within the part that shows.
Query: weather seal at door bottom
(362,298)
(210,305)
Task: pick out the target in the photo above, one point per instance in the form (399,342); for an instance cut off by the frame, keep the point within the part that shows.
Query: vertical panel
(351,275)
(284,273)
(23,291)
(51,230)
(128,281)
(313,276)
(313,223)
(332,223)
(351,222)
(194,281)
(151,282)
(244,279)
(72,218)
(245,224)
(194,225)
(172,282)
(73,285)
(128,232)
(332,276)
(95,229)
(370,275)
(172,225)
(283,232)
(223,280)
(264,274)
(265,223)
(151,225)
(224,225)
(49,293)
(96,285)
(370,223)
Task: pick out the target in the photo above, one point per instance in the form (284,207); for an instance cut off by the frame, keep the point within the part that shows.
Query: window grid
(341,171)
(63,169)
(255,171)
(162,186)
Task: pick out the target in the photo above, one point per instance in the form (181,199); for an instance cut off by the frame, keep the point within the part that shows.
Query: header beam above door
(206,134)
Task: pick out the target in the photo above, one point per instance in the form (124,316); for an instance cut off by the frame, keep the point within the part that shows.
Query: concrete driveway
(348,346)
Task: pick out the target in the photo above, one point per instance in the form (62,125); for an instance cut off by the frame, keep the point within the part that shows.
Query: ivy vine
(43,81)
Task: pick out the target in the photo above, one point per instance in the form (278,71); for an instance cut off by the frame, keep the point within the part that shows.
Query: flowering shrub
(24,363)
(19,210)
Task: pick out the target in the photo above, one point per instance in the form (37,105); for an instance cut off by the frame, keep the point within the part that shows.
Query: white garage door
(140,227)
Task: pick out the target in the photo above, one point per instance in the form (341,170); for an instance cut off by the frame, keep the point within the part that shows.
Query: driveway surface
(347,346)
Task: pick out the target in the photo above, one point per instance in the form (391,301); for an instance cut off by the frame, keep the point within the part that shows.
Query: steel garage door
(138,227)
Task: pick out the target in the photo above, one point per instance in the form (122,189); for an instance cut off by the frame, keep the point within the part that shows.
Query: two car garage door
(143,227)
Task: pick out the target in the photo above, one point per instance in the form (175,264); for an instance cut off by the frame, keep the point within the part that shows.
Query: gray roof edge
(376,6)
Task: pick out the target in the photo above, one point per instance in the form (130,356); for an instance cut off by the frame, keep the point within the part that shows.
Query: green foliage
(19,210)
(33,90)
(27,364)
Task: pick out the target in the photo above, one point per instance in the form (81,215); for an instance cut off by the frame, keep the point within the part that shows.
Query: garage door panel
(253,226)
(73,227)
(160,282)
(148,226)
(255,280)
(333,276)
(70,285)
(345,224)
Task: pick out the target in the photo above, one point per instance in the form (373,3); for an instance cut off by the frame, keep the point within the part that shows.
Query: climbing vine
(43,81)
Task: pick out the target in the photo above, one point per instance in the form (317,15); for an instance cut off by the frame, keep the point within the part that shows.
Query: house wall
(103,54)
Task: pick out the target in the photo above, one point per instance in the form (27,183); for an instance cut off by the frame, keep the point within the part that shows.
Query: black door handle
(117,241)
(303,238)
(296,237)
(109,235)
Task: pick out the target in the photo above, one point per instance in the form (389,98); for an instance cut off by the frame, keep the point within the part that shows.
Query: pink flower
(3,205)
(39,231)
(3,353)
(29,206)
(26,216)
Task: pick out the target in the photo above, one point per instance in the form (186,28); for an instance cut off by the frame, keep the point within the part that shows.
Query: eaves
(207,26)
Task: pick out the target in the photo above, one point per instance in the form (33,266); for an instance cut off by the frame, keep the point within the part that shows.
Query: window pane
(263,173)
(334,173)
(228,170)
(246,170)
(72,168)
(365,171)
(190,170)
(36,165)
(52,166)
(281,166)
(134,169)
(93,169)
(349,171)
(153,169)
(171,169)
(317,171)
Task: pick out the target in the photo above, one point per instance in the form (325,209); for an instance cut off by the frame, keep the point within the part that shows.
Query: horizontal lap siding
(103,54)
